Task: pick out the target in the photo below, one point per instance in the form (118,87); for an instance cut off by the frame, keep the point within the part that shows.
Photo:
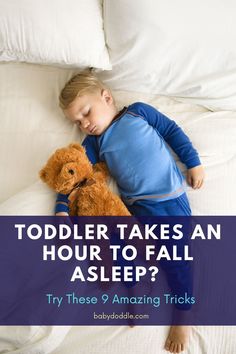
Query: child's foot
(177,339)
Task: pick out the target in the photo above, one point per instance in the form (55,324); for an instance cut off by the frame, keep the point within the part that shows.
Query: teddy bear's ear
(77,147)
(43,174)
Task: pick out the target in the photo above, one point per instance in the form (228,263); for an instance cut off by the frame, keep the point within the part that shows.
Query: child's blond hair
(78,85)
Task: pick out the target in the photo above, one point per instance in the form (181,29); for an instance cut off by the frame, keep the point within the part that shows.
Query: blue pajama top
(135,149)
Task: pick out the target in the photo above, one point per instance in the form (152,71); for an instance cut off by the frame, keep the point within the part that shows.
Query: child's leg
(178,273)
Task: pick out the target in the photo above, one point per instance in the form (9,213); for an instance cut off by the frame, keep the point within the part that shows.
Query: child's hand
(62,213)
(195,176)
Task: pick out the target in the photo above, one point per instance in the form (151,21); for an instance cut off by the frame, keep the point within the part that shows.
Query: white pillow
(177,48)
(67,33)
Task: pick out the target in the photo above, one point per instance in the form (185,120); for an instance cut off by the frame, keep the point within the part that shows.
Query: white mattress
(32,126)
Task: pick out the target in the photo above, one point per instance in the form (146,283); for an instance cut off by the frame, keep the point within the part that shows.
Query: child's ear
(107,96)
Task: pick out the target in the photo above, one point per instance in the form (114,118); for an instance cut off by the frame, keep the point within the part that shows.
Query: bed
(166,55)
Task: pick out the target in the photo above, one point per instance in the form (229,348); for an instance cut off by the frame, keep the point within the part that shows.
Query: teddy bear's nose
(71,171)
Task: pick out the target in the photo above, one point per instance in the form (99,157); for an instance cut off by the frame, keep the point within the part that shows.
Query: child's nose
(85,123)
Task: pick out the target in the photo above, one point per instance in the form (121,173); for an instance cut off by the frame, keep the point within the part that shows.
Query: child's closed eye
(87,113)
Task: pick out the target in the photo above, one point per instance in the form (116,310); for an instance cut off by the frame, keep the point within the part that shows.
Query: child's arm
(62,202)
(61,207)
(177,140)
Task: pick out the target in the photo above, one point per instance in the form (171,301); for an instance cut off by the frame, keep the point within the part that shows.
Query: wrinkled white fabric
(180,48)
(58,32)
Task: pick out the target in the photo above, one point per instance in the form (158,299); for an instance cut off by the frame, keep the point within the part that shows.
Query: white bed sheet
(141,340)
(32,126)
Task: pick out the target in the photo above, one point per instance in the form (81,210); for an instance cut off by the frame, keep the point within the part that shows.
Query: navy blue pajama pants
(178,273)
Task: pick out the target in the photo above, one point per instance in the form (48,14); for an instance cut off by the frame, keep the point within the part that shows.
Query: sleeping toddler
(133,143)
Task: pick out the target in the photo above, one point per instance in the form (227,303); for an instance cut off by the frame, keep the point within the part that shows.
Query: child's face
(93,112)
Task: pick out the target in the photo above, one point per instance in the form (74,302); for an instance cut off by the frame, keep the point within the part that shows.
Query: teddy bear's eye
(71,172)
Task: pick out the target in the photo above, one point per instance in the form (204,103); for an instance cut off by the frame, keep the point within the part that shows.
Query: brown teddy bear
(68,171)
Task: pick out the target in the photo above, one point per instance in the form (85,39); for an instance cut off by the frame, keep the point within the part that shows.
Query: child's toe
(167,344)
(179,348)
(172,346)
